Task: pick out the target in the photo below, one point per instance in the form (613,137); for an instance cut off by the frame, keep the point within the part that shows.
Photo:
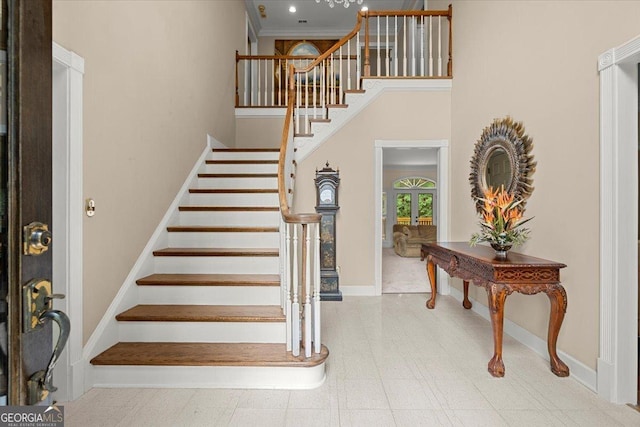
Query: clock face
(326,196)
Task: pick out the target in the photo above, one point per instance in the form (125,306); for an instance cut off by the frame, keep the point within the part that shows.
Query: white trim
(579,371)
(373,88)
(618,353)
(442,146)
(67,79)
(106,333)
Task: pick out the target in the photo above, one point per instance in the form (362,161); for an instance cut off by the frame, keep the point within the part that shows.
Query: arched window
(414,182)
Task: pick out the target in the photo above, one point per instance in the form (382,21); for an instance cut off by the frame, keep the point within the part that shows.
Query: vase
(501,249)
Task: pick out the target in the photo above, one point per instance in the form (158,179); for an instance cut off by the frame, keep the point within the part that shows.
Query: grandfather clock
(327,182)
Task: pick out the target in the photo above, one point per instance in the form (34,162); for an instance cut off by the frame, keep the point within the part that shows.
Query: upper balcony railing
(383,44)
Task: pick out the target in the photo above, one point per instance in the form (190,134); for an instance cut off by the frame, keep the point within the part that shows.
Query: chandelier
(346,3)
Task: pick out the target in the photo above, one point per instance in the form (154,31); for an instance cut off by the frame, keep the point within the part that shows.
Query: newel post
(450,63)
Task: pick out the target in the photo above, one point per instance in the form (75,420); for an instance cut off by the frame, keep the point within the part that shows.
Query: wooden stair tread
(205,354)
(319,120)
(251,252)
(210,280)
(212,229)
(337,105)
(232,190)
(229,208)
(202,313)
(237,175)
(241,162)
(247,150)
(354,91)
(303,135)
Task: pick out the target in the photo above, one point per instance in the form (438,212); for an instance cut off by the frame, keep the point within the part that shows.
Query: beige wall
(537,61)
(393,116)
(159,76)
(259,132)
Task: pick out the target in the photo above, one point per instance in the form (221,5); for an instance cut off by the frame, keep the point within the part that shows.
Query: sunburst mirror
(502,156)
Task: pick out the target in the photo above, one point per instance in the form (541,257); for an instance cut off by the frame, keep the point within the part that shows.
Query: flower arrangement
(502,221)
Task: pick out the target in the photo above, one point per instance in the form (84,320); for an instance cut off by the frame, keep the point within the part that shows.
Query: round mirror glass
(498,169)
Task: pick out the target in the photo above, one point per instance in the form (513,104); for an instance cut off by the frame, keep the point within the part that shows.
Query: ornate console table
(501,277)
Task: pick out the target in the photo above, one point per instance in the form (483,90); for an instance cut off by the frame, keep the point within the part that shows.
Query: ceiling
(321,20)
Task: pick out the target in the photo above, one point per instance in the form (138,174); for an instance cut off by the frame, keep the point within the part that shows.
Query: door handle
(37,311)
(40,383)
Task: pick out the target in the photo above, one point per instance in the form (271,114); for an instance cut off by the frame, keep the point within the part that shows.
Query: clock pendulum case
(327,182)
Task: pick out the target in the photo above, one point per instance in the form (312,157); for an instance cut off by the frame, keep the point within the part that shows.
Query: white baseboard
(579,371)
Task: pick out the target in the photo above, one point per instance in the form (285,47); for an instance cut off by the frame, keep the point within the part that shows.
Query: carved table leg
(431,271)
(497,295)
(558,298)
(465,302)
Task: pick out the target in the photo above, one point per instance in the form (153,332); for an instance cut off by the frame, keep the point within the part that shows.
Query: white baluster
(288,284)
(340,75)
(387,54)
(358,59)
(266,82)
(295,305)
(422,45)
(378,67)
(404,44)
(308,318)
(439,47)
(430,46)
(258,83)
(395,51)
(315,101)
(412,20)
(349,64)
(286,82)
(306,103)
(316,291)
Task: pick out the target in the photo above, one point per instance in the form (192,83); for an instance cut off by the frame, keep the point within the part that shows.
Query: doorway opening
(411,197)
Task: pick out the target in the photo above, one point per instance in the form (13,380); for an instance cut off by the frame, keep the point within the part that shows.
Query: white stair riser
(236,332)
(241,168)
(234,155)
(319,127)
(223,240)
(263,377)
(226,218)
(210,295)
(350,98)
(270,182)
(216,265)
(233,199)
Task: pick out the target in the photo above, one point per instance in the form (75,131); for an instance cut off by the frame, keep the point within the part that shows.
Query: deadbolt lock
(36,238)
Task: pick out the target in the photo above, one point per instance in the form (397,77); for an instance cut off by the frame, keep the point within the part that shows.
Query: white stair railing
(300,260)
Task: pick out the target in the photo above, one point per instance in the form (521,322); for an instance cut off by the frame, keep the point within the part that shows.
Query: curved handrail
(333,48)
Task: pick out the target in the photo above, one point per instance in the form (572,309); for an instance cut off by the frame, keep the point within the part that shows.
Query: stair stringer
(356,103)
(106,333)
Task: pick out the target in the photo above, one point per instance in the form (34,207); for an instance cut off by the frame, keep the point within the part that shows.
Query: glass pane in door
(425,209)
(403,208)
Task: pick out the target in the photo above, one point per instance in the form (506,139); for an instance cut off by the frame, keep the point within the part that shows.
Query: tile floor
(392,363)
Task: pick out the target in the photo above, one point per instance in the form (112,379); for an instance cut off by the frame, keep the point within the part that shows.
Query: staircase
(210,313)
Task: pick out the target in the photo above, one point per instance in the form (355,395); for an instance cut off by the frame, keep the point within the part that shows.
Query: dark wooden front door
(26,191)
